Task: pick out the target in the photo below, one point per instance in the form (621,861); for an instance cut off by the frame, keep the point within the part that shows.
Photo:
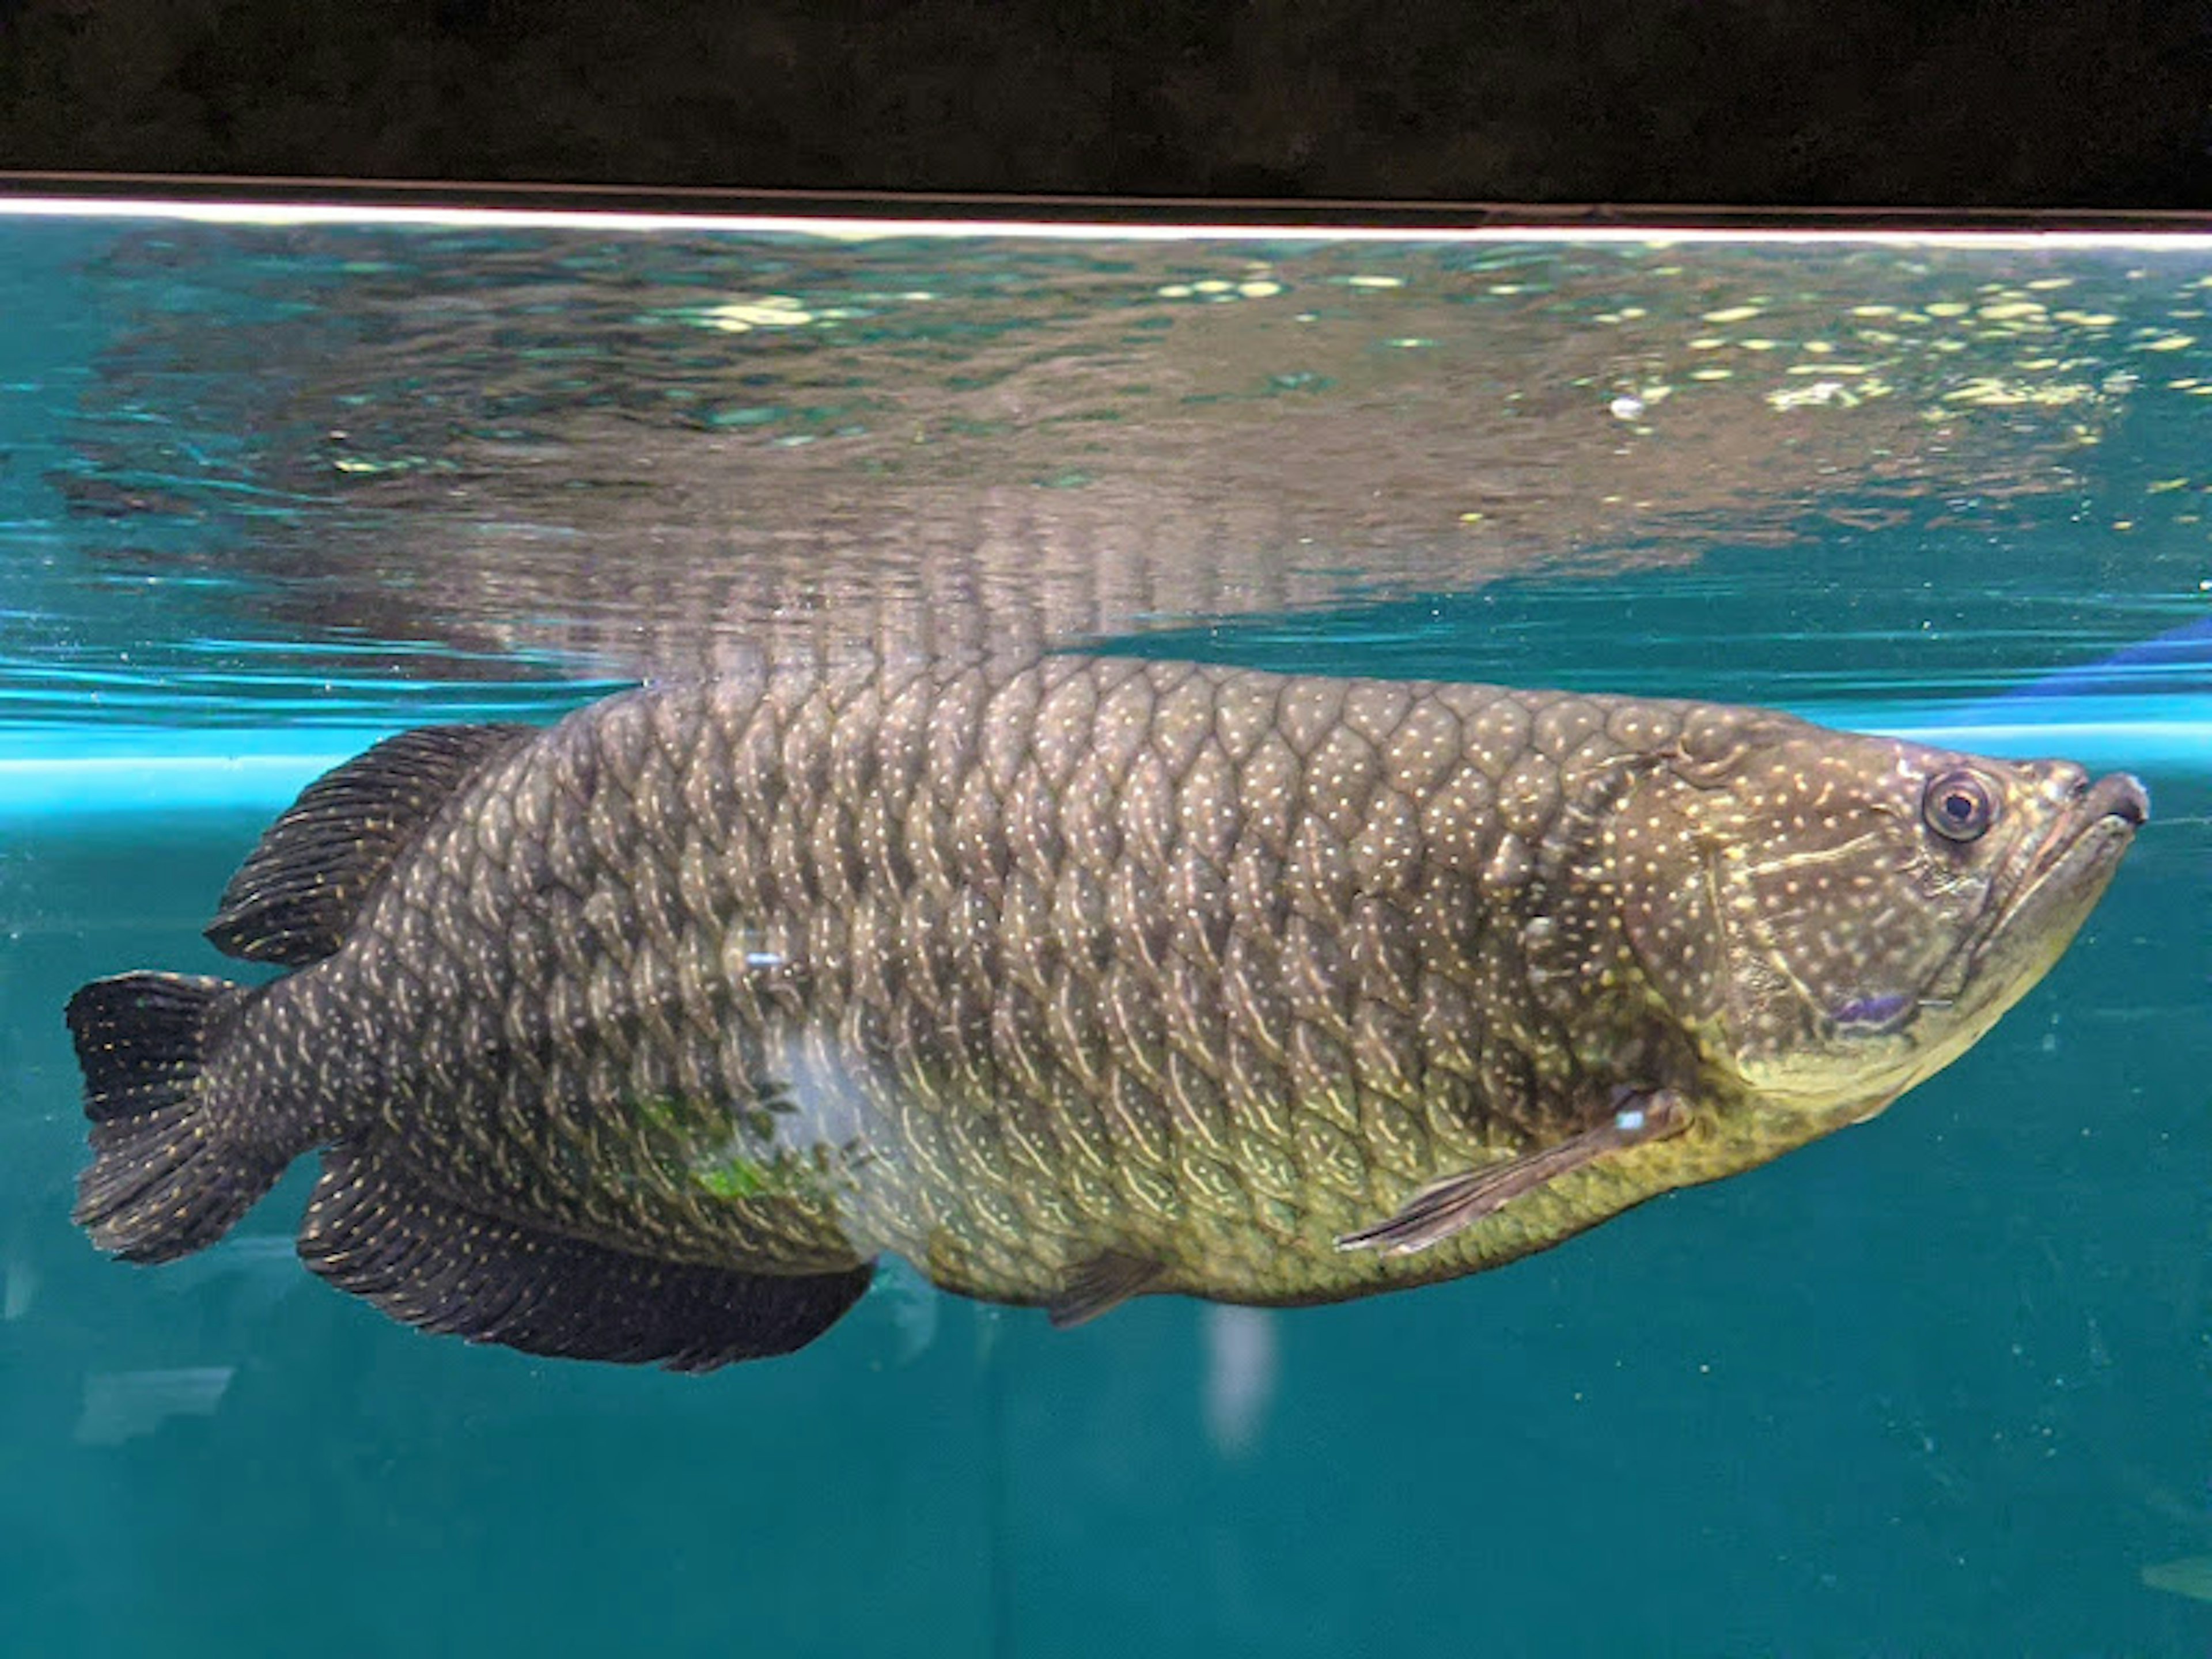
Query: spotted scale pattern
(1010,969)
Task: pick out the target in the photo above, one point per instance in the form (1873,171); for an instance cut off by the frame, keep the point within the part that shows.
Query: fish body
(644,1035)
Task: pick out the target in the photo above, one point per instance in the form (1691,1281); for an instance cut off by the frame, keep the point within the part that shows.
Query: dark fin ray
(293,898)
(1446,1206)
(164,1182)
(377,1230)
(1100,1285)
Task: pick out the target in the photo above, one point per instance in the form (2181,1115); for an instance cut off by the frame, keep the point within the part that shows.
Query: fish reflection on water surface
(642,1036)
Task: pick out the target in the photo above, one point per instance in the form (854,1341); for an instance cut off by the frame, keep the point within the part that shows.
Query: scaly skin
(1009,970)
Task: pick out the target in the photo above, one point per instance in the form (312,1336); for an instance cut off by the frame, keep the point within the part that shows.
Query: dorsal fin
(293,900)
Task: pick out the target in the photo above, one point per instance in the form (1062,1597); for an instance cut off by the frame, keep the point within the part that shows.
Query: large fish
(641,1037)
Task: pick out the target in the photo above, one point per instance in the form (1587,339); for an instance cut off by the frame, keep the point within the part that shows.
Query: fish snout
(2120,796)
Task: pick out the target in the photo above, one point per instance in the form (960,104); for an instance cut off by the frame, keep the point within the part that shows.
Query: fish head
(1835,917)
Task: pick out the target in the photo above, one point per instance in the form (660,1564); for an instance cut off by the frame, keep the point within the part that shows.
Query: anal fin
(1100,1285)
(1458,1201)
(295,895)
(375,1229)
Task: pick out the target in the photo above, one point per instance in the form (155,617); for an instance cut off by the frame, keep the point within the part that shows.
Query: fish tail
(166,1179)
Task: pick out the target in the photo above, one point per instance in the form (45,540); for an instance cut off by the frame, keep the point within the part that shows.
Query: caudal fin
(165,1179)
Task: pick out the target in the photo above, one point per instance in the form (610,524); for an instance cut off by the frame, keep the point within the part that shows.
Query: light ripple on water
(120,1406)
(56,771)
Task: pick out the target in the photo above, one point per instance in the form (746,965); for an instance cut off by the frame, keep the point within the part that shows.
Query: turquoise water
(1938,1385)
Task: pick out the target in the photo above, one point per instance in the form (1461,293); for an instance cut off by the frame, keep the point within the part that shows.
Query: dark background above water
(1828,102)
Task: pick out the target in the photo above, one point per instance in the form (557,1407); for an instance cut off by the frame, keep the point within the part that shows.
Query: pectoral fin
(1444,1207)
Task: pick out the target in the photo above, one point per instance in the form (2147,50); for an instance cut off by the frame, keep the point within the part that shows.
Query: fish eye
(1958,805)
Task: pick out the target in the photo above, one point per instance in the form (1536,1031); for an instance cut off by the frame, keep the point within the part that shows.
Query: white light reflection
(1242,1361)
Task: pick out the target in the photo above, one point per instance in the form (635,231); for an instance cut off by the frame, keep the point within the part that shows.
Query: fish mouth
(2039,905)
(2096,828)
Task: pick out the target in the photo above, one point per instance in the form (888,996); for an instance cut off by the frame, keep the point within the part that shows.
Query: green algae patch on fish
(645,1037)
(737,1177)
(788,1172)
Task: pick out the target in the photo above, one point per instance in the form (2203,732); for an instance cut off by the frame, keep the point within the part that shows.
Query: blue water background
(1937,1386)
